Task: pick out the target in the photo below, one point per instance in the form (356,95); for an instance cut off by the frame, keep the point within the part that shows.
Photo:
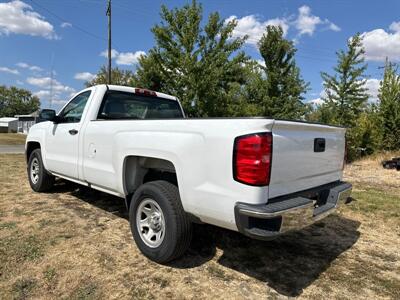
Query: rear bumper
(290,212)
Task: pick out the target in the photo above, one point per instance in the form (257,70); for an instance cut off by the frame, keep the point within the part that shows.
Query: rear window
(121,106)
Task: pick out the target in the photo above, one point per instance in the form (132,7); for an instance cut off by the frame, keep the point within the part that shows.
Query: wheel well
(30,147)
(140,169)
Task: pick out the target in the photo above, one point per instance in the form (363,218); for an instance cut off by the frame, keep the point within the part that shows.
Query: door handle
(73,131)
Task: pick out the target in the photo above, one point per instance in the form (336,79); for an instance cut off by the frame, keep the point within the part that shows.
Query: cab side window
(72,112)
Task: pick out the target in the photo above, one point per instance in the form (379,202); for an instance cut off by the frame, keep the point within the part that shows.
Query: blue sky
(71,35)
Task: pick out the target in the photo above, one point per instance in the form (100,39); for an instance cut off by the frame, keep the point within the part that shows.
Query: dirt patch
(76,243)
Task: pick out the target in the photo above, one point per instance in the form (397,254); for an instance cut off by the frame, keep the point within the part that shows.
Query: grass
(8,225)
(218,272)
(369,172)
(161,281)
(86,291)
(16,249)
(371,201)
(12,139)
(76,244)
(49,274)
(22,288)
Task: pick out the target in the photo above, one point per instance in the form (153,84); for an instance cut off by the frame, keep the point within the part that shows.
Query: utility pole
(108,13)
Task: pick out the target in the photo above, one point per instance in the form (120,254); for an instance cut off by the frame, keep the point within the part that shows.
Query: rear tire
(159,225)
(39,179)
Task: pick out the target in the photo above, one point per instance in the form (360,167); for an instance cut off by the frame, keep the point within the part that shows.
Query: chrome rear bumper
(290,212)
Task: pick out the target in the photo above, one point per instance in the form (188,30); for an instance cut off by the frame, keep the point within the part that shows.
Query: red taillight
(145,92)
(252,156)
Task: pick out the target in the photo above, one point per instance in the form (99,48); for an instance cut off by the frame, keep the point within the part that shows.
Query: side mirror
(47,115)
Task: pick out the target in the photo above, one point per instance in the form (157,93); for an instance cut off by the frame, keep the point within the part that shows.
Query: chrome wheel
(34,170)
(150,223)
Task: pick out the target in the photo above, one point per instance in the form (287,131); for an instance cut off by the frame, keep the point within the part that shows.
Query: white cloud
(261,62)
(35,68)
(30,67)
(316,101)
(22,65)
(45,83)
(253,27)
(114,53)
(19,18)
(129,58)
(57,97)
(58,94)
(333,26)
(379,44)
(319,100)
(46,96)
(306,23)
(59,101)
(395,26)
(372,85)
(85,76)
(8,70)
(124,58)
(20,82)
(65,25)
(40,82)
(42,94)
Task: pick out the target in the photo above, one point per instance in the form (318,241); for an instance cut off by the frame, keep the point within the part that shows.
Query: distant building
(8,125)
(25,122)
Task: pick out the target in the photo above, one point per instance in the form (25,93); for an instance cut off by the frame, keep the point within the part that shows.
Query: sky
(69,37)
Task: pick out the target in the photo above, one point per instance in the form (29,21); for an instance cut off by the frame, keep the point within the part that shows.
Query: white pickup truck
(259,176)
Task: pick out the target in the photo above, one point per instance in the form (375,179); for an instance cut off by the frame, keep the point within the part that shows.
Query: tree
(365,138)
(279,87)
(200,64)
(319,113)
(118,77)
(346,94)
(389,107)
(15,101)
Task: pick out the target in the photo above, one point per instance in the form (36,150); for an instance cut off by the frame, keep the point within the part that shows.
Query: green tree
(365,138)
(346,95)
(279,87)
(118,77)
(15,101)
(320,113)
(389,107)
(201,64)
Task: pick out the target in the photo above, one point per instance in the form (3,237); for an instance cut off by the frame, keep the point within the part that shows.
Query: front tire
(39,179)
(159,225)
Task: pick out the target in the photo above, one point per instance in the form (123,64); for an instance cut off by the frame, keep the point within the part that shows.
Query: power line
(123,9)
(65,20)
(250,39)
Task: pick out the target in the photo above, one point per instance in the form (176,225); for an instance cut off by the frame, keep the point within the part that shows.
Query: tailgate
(299,160)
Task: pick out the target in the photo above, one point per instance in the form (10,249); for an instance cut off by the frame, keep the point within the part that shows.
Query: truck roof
(129,89)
